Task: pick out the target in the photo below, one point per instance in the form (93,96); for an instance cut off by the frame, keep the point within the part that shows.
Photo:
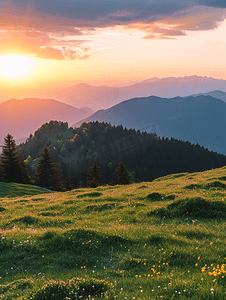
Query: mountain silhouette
(215,94)
(21,117)
(103,97)
(199,119)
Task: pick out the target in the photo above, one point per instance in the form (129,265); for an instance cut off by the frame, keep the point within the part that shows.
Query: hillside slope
(200,119)
(11,190)
(162,238)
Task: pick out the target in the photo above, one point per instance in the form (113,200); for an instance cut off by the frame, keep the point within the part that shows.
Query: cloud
(164,33)
(213,3)
(50,29)
(178,24)
(65,53)
(38,44)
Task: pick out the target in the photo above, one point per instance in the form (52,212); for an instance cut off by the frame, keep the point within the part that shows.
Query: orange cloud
(164,33)
(39,44)
(50,29)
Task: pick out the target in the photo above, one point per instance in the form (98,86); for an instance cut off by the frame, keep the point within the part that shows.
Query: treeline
(47,173)
(145,155)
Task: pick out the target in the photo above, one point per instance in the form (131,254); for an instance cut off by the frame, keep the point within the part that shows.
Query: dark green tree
(13,167)
(1,172)
(121,175)
(67,184)
(47,173)
(94,176)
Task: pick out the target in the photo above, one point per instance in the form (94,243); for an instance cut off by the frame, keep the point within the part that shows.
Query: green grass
(164,239)
(11,190)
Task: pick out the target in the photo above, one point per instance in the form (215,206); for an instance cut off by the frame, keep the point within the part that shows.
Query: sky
(111,42)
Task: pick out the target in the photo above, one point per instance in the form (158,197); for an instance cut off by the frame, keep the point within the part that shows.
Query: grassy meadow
(164,239)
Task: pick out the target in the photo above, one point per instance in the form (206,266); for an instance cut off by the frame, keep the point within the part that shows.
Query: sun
(15,66)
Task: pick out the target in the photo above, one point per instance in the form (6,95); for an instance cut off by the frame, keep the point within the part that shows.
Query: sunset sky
(109,41)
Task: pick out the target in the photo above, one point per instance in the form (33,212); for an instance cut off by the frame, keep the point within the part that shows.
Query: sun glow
(15,66)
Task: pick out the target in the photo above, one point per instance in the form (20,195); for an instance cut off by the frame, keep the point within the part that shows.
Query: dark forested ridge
(149,156)
(200,119)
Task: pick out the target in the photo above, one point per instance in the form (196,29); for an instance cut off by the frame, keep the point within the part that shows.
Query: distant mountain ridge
(21,117)
(215,94)
(103,97)
(199,119)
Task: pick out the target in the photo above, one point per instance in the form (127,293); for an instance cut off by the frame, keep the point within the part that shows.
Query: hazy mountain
(216,94)
(199,119)
(21,117)
(103,97)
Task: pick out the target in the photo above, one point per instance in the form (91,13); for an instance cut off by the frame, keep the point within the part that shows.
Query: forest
(145,155)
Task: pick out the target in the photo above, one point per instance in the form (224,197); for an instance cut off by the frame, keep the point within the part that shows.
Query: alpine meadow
(112,150)
(163,239)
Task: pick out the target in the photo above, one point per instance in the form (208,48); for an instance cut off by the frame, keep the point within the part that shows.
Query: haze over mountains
(103,97)
(215,94)
(22,117)
(196,119)
(199,119)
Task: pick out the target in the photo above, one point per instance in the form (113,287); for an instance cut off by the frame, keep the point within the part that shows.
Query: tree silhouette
(121,175)
(13,168)
(67,184)
(1,172)
(94,176)
(47,173)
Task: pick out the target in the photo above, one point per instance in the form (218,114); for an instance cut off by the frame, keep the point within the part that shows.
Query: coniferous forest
(146,156)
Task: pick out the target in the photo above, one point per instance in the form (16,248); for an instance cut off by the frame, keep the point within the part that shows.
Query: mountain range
(22,117)
(103,97)
(200,119)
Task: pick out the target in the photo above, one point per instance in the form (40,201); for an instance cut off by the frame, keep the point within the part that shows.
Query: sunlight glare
(15,66)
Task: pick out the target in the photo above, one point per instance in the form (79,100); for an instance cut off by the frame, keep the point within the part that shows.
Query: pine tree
(12,166)
(47,173)
(1,172)
(121,175)
(67,183)
(94,176)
